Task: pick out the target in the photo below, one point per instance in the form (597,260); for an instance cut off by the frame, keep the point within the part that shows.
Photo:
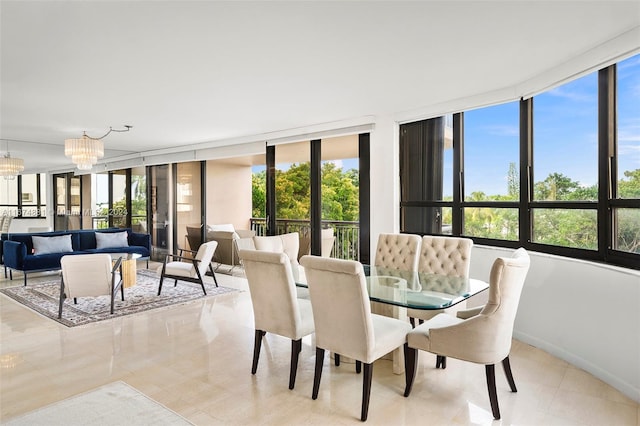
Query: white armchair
(482,337)
(189,269)
(90,275)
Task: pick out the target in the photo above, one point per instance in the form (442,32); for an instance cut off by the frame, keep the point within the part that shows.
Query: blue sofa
(18,254)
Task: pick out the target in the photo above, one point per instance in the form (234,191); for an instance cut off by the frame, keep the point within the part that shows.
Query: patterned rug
(44,299)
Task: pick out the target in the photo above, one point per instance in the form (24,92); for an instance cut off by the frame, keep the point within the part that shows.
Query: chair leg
(62,297)
(122,291)
(296,347)
(410,367)
(336,358)
(160,286)
(75,300)
(213,274)
(507,371)
(318,373)
(412,320)
(25,278)
(358,367)
(256,350)
(441,361)
(491,386)
(175,283)
(366,390)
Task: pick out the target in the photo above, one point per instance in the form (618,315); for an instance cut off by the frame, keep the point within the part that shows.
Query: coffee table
(129,261)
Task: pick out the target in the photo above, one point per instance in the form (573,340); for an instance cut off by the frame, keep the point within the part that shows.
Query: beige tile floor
(196,360)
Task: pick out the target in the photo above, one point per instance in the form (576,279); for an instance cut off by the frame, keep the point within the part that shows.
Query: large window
(491,177)
(24,196)
(558,173)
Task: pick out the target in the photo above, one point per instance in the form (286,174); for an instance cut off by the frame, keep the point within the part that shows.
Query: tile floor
(196,360)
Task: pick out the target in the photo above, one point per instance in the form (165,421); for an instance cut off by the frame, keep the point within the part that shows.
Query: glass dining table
(395,289)
(417,290)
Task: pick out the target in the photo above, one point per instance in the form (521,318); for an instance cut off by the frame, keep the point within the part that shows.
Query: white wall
(228,194)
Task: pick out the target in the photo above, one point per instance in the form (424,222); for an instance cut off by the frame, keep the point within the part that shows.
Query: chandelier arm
(111,129)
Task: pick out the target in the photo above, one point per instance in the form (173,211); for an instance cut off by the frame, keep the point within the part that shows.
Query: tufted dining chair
(398,251)
(450,256)
(276,309)
(480,335)
(343,320)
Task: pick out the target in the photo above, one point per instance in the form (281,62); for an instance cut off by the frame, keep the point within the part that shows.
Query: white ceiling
(188,72)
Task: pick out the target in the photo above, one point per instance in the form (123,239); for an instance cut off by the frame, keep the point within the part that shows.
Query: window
(24,196)
(558,173)
(626,203)
(491,176)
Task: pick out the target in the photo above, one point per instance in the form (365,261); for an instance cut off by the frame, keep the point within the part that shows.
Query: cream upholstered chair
(450,256)
(90,275)
(343,320)
(187,269)
(481,335)
(288,244)
(398,251)
(276,308)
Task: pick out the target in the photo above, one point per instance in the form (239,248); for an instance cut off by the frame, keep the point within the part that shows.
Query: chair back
(288,244)
(449,256)
(86,274)
(194,236)
(205,256)
(398,251)
(341,308)
(327,242)
(273,292)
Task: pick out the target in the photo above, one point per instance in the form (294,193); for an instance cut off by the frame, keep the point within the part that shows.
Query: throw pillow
(111,239)
(47,245)
(228,227)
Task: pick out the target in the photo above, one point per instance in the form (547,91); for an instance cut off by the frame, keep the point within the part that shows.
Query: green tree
(513,182)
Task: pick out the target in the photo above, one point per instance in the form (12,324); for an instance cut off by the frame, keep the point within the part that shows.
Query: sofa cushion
(49,261)
(46,245)
(228,227)
(111,240)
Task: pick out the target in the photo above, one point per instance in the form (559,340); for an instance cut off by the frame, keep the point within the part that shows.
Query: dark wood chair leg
(256,350)
(420,321)
(441,361)
(75,300)
(366,390)
(318,373)
(358,366)
(296,347)
(25,278)
(507,371)
(62,297)
(336,358)
(175,283)
(412,320)
(410,367)
(160,286)
(122,291)
(215,280)
(491,386)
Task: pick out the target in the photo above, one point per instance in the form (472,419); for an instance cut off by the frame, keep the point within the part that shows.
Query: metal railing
(347,234)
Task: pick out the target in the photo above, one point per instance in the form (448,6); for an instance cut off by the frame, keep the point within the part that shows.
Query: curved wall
(585,313)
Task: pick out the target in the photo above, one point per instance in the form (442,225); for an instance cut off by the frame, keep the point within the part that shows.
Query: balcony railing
(345,246)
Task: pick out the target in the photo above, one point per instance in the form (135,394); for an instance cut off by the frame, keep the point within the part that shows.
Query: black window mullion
(457,216)
(607,176)
(526,171)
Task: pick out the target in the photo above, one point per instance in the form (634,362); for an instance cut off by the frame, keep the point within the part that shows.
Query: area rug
(44,299)
(114,404)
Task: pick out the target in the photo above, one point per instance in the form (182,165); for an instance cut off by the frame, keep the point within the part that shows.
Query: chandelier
(10,166)
(86,151)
